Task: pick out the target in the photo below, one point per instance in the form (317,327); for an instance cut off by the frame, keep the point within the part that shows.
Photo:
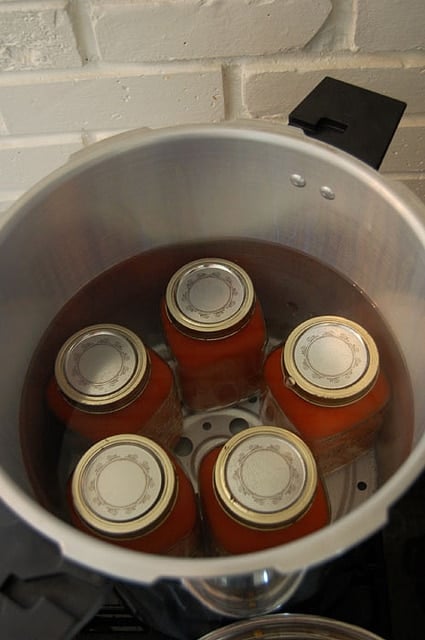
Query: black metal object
(353,119)
(41,595)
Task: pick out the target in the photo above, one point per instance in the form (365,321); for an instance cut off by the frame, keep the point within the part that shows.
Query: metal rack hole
(237,425)
(184,447)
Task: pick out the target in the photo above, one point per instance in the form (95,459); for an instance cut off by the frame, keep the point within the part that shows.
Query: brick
(22,167)
(36,39)
(269,90)
(166,30)
(114,103)
(407,151)
(417,185)
(390,26)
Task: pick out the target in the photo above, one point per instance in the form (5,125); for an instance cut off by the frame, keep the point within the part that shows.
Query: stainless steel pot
(291,627)
(146,189)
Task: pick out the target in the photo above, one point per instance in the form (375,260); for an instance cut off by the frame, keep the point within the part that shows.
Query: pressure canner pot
(248,180)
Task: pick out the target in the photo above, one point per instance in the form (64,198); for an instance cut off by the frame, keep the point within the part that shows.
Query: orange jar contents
(128,491)
(107,382)
(215,328)
(259,490)
(325,383)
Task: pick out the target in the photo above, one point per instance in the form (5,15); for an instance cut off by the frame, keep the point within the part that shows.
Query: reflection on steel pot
(291,627)
(144,191)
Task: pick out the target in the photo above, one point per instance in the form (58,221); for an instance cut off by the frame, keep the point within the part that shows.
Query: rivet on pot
(297,180)
(327,193)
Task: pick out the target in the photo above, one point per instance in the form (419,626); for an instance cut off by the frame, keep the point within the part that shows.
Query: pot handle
(41,595)
(355,120)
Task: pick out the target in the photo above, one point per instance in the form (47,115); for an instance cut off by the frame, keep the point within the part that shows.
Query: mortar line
(287,62)
(3,127)
(81,16)
(232,91)
(20,141)
(405,175)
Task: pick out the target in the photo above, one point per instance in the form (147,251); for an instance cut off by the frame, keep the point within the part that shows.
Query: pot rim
(307,552)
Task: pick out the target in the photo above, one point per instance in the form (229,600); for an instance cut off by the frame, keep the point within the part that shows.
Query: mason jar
(326,383)
(259,490)
(129,491)
(107,382)
(215,328)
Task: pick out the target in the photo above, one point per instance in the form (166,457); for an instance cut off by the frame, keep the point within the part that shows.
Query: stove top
(378,585)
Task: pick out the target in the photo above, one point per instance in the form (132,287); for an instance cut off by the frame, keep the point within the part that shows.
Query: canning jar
(215,328)
(129,491)
(259,490)
(326,383)
(106,382)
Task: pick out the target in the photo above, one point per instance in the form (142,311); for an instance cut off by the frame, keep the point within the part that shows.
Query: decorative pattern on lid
(265,477)
(102,367)
(123,485)
(210,295)
(332,359)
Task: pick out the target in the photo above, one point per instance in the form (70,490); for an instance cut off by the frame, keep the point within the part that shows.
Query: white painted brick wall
(275,88)
(390,25)
(138,32)
(416,184)
(72,72)
(113,102)
(28,161)
(407,152)
(36,36)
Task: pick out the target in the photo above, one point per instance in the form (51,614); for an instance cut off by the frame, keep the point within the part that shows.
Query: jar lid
(124,485)
(210,295)
(265,477)
(330,360)
(102,367)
